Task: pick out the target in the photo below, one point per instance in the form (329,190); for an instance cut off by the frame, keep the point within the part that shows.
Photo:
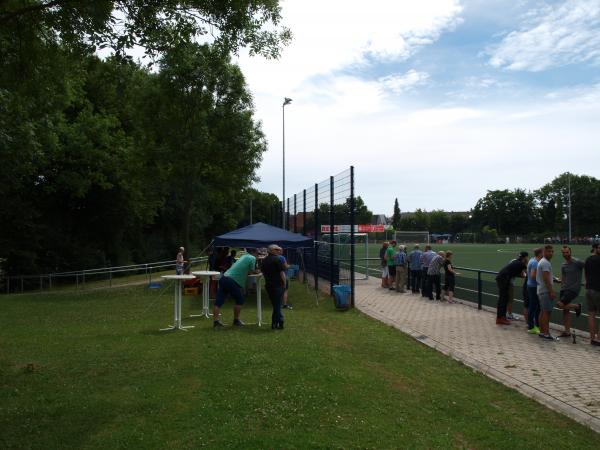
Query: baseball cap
(594,247)
(523,255)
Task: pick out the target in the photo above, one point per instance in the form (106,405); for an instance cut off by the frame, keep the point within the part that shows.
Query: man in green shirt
(232,283)
(391,264)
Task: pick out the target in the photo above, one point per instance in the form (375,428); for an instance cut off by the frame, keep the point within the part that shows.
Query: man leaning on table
(232,283)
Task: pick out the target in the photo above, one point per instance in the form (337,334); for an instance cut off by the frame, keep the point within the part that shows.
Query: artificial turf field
(478,256)
(90,370)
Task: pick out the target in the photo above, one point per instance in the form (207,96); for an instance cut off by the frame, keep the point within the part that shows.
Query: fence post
(352,237)
(317,236)
(22,284)
(331,237)
(479,290)
(41,284)
(304,212)
(110,277)
(50,281)
(287,216)
(77,281)
(8,285)
(295,214)
(83,279)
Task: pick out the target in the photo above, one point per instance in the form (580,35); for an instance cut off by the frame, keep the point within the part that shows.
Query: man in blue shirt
(533,310)
(415,268)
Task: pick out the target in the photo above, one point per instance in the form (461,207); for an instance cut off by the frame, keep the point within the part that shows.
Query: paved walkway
(561,375)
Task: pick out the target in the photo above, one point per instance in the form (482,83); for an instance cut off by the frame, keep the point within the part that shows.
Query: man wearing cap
(592,286)
(571,273)
(179,261)
(515,268)
(232,283)
(425,260)
(273,270)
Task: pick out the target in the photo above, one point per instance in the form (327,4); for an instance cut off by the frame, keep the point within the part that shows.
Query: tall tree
(205,132)
(396,216)
(509,212)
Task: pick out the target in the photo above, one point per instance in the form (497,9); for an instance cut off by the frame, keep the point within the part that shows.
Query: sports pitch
(478,256)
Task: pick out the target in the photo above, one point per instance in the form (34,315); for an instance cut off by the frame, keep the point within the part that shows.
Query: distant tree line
(517,212)
(111,161)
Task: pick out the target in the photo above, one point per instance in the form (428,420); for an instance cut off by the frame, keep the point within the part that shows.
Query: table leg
(259,302)
(179,326)
(175,310)
(204,305)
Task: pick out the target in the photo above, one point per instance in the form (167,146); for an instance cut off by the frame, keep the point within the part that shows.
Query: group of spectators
(418,271)
(539,294)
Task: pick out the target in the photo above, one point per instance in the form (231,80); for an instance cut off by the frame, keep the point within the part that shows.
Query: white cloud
(553,36)
(399,83)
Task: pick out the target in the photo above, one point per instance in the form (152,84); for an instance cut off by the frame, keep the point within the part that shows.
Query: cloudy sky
(434,102)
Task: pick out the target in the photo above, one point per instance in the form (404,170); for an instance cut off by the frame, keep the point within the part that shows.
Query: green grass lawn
(103,376)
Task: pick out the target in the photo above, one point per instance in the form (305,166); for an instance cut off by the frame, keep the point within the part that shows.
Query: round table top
(206,273)
(178,277)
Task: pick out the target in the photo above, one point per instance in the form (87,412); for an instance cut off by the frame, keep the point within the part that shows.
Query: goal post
(412,237)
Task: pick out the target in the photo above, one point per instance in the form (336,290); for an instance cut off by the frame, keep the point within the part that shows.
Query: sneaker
(594,342)
(238,323)
(511,316)
(502,321)
(287,307)
(218,324)
(578,310)
(534,330)
(548,337)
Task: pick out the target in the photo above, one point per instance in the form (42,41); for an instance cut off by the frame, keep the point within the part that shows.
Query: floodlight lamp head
(287,101)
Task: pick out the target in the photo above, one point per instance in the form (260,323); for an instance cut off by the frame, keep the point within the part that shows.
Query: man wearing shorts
(391,264)
(232,283)
(545,292)
(571,274)
(592,286)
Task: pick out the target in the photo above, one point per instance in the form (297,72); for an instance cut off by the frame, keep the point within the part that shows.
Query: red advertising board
(357,228)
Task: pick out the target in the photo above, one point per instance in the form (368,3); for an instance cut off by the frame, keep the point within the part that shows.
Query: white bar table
(205,276)
(177,308)
(258,277)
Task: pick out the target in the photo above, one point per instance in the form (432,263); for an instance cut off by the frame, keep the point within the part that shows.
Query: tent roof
(261,235)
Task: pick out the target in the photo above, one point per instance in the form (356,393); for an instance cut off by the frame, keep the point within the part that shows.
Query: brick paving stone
(553,373)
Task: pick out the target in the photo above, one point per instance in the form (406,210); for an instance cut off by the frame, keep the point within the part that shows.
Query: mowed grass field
(91,370)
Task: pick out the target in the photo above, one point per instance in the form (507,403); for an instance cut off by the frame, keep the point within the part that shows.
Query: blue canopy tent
(261,235)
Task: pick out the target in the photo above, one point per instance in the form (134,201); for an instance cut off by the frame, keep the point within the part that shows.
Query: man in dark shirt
(273,270)
(516,268)
(592,286)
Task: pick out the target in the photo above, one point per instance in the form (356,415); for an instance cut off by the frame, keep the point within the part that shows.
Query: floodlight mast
(286,101)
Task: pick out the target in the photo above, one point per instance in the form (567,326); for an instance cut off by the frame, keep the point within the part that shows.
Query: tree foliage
(105,162)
